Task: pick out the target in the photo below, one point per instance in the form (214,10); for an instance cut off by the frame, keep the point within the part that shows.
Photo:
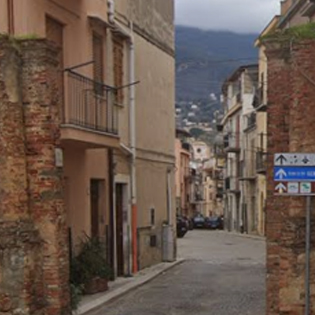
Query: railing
(261,162)
(238,97)
(247,170)
(231,143)
(186,146)
(250,121)
(232,184)
(218,175)
(90,105)
(219,151)
(220,192)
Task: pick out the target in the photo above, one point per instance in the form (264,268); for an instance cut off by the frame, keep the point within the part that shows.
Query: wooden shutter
(98,58)
(118,45)
(54,33)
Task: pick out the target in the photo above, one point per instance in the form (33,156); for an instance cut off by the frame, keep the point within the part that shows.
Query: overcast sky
(243,16)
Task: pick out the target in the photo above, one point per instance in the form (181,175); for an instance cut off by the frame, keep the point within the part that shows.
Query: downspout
(132,113)
(132,130)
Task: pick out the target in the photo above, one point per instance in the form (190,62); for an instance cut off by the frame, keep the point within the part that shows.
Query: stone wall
(34,261)
(152,19)
(291,112)
(156,19)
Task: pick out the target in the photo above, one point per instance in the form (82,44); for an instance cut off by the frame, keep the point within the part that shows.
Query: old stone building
(87,141)
(240,138)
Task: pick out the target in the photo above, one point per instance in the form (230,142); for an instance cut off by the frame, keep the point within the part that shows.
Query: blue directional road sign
(294,173)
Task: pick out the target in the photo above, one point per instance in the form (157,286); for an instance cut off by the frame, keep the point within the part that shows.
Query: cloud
(243,16)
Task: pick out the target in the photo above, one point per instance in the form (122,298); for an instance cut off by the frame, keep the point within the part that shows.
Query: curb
(119,292)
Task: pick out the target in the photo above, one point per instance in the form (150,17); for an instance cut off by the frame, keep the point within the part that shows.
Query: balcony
(219,176)
(219,152)
(247,171)
(259,102)
(232,185)
(90,116)
(261,162)
(220,193)
(250,122)
(231,143)
(186,146)
(239,98)
(197,198)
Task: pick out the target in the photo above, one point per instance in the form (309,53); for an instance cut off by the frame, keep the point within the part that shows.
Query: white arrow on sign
(281,173)
(281,187)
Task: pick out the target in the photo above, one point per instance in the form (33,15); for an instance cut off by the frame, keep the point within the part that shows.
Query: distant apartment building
(239,143)
(89,89)
(213,186)
(200,154)
(183,174)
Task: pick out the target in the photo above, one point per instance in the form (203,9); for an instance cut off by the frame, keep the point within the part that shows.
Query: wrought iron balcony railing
(232,184)
(261,162)
(90,104)
(231,143)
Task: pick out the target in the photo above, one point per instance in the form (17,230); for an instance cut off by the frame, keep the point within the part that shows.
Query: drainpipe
(132,113)
(132,129)
(169,198)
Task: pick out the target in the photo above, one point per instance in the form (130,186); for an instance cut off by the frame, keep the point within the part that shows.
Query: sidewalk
(122,286)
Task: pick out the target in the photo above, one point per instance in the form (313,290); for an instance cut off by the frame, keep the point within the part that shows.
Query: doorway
(95,187)
(120,229)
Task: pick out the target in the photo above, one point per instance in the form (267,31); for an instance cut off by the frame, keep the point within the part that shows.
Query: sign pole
(307,254)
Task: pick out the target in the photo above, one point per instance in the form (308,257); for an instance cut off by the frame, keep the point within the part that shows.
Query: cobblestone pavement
(224,274)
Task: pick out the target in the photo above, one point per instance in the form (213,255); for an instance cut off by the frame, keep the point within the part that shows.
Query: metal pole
(307,254)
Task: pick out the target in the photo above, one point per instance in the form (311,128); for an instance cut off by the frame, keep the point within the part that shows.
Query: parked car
(181,226)
(199,222)
(212,223)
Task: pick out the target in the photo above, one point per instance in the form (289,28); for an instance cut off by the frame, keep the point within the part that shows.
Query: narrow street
(223,274)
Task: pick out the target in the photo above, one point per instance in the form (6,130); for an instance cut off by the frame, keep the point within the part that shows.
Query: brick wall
(291,112)
(32,212)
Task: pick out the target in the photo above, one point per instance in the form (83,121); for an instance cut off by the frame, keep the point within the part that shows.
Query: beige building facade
(117,130)
(244,137)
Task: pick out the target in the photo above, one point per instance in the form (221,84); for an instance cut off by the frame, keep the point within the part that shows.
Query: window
(54,33)
(152,216)
(98,65)
(118,46)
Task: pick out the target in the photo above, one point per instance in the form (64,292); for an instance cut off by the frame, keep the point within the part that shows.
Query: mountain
(204,59)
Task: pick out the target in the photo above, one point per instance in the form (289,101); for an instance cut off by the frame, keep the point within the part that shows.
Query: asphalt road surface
(223,274)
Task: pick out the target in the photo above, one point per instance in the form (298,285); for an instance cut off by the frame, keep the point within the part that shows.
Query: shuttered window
(118,45)
(98,58)
(54,33)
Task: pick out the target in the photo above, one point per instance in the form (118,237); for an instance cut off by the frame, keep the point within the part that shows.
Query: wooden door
(119,230)
(95,211)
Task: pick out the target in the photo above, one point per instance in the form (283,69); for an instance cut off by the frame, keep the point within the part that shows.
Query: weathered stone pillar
(279,99)
(291,117)
(43,101)
(20,261)
(34,261)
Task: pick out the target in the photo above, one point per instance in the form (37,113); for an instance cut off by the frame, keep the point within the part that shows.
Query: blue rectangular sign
(294,173)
